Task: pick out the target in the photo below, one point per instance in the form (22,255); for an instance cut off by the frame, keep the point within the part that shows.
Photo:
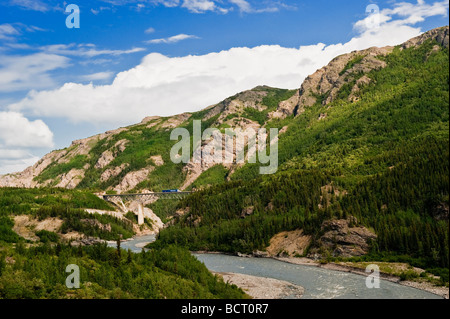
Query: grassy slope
(400,123)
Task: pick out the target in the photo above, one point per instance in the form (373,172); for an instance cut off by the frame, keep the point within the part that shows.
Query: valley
(362,178)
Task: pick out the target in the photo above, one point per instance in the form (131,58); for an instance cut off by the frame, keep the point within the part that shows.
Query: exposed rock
(440,212)
(112,172)
(26,227)
(342,240)
(132,179)
(150,119)
(440,35)
(238,103)
(176,121)
(286,108)
(364,80)
(105,212)
(121,145)
(109,155)
(104,160)
(322,116)
(289,243)
(247,211)
(71,179)
(260,254)
(182,212)
(283,130)
(154,123)
(157,160)
(330,79)
(25,179)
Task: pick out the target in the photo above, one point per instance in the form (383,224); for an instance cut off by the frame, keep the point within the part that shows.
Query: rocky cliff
(137,157)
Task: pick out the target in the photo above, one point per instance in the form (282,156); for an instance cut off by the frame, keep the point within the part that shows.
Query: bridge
(119,199)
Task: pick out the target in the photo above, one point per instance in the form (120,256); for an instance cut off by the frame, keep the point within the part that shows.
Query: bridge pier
(141,214)
(119,199)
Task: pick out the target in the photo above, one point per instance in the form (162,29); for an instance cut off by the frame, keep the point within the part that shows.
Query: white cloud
(173,39)
(84,50)
(218,6)
(17,131)
(162,85)
(199,6)
(7,31)
(99,76)
(245,7)
(150,30)
(29,71)
(34,5)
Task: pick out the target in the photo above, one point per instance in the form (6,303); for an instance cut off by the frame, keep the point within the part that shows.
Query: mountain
(363,164)
(137,157)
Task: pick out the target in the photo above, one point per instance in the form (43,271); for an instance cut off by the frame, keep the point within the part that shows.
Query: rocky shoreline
(263,288)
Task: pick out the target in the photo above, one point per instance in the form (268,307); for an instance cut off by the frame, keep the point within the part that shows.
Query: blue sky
(130,59)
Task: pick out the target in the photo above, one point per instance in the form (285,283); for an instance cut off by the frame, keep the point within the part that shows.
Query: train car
(170,191)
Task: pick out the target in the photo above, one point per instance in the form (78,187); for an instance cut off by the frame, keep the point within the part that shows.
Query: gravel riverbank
(263,288)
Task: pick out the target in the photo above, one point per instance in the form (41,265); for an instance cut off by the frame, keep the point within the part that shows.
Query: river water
(319,283)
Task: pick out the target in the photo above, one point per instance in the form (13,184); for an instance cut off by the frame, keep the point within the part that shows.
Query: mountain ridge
(74,166)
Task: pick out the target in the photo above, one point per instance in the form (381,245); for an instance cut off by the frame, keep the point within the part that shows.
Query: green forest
(381,161)
(30,270)
(388,152)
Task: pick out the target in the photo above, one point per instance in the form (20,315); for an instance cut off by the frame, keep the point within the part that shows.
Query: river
(319,283)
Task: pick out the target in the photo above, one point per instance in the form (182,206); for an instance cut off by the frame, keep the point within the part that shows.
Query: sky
(128,59)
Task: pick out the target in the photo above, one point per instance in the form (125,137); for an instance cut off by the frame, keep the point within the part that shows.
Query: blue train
(170,191)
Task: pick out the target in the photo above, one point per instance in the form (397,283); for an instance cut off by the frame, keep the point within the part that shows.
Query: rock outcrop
(342,238)
(328,81)
(440,35)
(290,244)
(286,108)
(132,179)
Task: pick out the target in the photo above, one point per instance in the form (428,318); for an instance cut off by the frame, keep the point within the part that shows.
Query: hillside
(363,155)
(135,158)
(364,168)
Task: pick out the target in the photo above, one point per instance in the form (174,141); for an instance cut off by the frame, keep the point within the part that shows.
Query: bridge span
(119,199)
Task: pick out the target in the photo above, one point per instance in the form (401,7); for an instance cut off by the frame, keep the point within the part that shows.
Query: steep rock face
(330,79)
(132,179)
(71,179)
(342,239)
(289,244)
(237,104)
(112,172)
(440,35)
(286,108)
